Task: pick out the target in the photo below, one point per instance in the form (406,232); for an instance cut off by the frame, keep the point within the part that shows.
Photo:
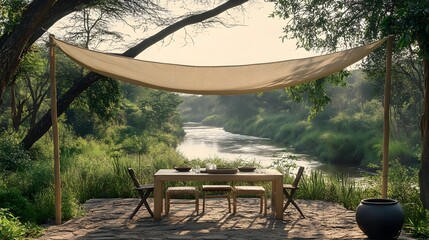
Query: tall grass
(12,228)
(288,133)
(338,188)
(404,152)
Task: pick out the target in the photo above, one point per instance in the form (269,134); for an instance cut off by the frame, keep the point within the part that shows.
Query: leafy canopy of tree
(23,22)
(158,107)
(328,25)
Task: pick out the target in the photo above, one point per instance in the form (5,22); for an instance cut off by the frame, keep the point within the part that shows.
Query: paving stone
(108,219)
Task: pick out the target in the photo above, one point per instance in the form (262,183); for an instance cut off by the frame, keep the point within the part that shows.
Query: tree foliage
(240,106)
(29,90)
(158,107)
(23,26)
(315,92)
(328,25)
(10,14)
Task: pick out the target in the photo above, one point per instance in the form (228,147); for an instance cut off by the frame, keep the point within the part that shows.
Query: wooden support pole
(55,132)
(386,118)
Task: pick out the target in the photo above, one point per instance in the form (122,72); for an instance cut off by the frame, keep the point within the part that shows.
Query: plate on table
(183,169)
(246,169)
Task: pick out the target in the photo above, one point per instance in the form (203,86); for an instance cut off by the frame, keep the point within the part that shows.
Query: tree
(21,32)
(158,107)
(240,106)
(329,25)
(30,87)
(16,34)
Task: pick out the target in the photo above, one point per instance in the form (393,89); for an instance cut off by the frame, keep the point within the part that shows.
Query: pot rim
(379,201)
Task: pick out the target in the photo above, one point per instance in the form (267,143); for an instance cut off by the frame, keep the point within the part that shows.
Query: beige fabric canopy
(216,80)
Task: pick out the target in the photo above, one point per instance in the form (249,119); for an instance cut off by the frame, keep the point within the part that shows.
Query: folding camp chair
(290,189)
(143,190)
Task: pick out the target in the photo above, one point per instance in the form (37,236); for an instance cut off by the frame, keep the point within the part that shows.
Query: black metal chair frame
(289,191)
(143,190)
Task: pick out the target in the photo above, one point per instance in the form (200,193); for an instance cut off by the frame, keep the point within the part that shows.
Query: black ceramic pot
(380,218)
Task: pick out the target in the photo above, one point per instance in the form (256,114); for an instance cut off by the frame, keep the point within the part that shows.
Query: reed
(338,188)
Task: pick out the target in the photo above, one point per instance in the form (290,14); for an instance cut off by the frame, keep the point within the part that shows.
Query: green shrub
(213,120)
(11,228)
(12,156)
(17,204)
(308,142)
(403,183)
(290,132)
(416,220)
(341,148)
(373,151)
(233,126)
(33,181)
(44,202)
(403,152)
(69,204)
(403,186)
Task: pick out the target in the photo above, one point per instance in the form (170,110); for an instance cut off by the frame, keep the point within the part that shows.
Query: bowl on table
(183,169)
(246,169)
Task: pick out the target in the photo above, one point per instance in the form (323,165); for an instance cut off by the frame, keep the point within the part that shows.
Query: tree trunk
(85,82)
(424,169)
(12,45)
(40,15)
(13,108)
(42,126)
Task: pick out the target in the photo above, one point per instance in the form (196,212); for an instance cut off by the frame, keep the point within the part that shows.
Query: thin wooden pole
(55,132)
(386,126)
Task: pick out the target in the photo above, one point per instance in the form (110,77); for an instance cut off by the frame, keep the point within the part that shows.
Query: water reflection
(207,142)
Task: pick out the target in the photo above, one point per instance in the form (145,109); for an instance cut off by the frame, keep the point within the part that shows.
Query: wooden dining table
(268,175)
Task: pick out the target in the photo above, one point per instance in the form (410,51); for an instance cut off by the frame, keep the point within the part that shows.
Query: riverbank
(205,142)
(108,219)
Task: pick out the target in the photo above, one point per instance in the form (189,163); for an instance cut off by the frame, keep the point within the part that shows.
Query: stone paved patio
(108,219)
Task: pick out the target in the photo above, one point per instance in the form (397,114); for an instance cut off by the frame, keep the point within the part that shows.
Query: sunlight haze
(257,41)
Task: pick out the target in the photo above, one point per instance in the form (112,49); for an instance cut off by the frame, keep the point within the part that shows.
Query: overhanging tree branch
(13,44)
(86,81)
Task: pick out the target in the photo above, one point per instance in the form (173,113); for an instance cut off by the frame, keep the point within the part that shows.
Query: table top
(173,175)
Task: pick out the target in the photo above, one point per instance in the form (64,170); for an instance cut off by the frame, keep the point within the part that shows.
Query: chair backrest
(133,177)
(298,177)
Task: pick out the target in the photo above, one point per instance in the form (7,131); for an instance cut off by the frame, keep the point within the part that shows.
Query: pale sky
(259,40)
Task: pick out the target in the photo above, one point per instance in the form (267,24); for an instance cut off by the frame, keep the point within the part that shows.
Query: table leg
(273,197)
(279,198)
(157,198)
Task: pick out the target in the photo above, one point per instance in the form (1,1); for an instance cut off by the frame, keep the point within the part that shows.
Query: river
(206,142)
